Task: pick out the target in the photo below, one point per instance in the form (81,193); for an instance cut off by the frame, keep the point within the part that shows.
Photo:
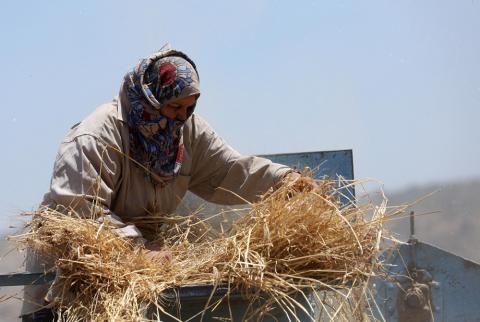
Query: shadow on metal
(187,303)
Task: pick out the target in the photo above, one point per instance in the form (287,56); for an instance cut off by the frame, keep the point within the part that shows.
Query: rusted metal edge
(18,279)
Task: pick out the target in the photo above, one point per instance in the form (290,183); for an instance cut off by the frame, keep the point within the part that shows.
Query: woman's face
(180,109)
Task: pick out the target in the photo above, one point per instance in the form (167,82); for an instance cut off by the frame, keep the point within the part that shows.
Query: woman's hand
(156,255)
(300,183)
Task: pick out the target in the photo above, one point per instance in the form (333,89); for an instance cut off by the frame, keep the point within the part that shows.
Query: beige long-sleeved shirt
(93,162)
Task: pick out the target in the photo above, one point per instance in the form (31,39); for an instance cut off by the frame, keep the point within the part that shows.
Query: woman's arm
(222,175)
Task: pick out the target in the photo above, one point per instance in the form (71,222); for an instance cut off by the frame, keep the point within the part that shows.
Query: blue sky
(396,81)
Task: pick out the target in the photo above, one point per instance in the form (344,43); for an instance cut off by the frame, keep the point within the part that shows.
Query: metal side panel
(324,163)
(429,284)
(188,302)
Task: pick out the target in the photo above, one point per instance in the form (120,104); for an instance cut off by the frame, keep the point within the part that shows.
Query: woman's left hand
(299,182)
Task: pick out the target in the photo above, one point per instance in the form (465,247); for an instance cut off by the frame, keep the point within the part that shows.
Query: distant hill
(449,219)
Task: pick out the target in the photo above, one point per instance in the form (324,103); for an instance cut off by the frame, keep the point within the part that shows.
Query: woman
(140,154)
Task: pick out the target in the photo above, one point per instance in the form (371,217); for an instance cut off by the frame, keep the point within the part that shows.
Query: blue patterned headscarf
(156,142)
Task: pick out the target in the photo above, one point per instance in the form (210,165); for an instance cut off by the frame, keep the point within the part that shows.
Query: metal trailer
(424,283)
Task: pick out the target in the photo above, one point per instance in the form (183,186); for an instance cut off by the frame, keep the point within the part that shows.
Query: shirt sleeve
(222,175)
(85,177)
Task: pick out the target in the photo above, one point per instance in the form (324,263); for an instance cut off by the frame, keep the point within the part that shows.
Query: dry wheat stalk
(288,243)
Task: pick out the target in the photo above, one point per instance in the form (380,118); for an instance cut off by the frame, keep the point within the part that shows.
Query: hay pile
(288,243)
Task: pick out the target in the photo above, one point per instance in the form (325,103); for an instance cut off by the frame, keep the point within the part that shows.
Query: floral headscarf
(156,141)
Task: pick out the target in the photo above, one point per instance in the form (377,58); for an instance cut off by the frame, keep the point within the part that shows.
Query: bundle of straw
(289,243)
